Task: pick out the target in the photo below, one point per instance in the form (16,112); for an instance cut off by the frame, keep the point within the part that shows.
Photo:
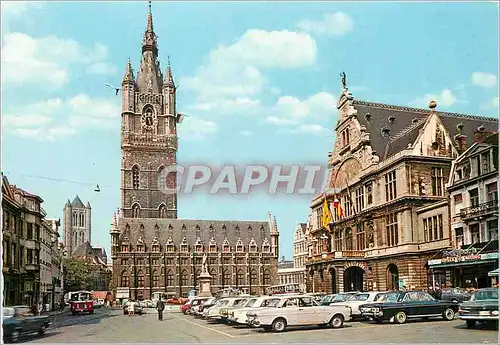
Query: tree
(77,274)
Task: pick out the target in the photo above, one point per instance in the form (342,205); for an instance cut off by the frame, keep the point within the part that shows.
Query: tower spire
(149,42)
(129,73)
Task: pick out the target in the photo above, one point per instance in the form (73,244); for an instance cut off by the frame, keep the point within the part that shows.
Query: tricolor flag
(180,117)
(337,208)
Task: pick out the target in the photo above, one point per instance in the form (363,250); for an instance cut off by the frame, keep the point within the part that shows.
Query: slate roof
(84,249)
(77,203)
(177,229)
(402,125)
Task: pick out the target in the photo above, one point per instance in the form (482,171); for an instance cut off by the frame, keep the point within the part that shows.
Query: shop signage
(122,292)
(464,258)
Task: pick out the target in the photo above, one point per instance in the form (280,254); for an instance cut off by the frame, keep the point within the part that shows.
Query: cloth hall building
(388,170)
(151,250)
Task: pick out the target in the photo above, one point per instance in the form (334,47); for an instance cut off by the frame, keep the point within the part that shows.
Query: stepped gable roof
(396,124)
(77,202)
(177,229)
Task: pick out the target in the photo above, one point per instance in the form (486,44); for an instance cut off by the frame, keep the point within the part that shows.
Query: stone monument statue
(204,264)
(204,279)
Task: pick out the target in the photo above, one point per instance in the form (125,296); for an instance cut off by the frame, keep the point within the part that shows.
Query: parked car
(297,311)
(19,320)
(186,306)
(327,299)
(482,307)
(138,309)
(233,304)
(195,303)
(355,301)
(455,295)
(342,297)
(198,311)
(214,312)
(399,306)
(239,315)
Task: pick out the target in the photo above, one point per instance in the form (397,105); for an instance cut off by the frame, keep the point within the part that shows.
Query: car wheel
(279,325)
(449,314)
(470,323)
(337,321)
(400,317)
(14,337)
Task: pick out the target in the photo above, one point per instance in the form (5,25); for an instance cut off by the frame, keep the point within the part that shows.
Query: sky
(259,82)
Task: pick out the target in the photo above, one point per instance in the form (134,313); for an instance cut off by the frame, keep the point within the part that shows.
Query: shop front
(466,271)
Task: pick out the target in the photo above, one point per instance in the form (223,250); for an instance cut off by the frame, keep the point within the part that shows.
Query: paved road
(178,328)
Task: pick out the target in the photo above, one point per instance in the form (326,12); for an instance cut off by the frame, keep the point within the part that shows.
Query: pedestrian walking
(131,306)
(160,307)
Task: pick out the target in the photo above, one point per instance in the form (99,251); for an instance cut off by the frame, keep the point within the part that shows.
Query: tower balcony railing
(479,210)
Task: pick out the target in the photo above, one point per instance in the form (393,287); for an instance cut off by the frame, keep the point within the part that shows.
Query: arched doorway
(353,279)
(333,275)
(392,277)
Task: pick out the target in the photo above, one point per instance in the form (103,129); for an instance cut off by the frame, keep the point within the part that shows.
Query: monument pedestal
(205,280)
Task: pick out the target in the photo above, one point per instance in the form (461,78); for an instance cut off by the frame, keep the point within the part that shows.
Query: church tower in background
(77,224)
(148,135)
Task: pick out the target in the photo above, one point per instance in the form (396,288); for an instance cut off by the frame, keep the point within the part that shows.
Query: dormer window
(155,246)
(198,246)
(226,248)
(253,246)
(125,248)
(265,246)
(170,246)
(345,137)
(141,248)
(212,247)
(240,248)
(184,246)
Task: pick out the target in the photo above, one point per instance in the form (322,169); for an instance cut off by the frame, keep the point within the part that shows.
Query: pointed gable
(77,203)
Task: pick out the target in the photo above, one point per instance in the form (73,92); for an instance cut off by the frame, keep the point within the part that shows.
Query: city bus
(81,302)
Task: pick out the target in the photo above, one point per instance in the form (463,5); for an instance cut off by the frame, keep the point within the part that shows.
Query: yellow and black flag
(327,216)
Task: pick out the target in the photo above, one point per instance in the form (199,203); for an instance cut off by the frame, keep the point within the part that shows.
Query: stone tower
(148,135)
(77,224)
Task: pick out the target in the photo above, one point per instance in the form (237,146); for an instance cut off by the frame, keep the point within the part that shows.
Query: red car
(186,307)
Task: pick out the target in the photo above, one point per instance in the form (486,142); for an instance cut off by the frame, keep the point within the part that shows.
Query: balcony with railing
(479,210)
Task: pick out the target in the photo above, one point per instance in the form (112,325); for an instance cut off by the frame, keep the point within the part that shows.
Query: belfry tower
(148,135)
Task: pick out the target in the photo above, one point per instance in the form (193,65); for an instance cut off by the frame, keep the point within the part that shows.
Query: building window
(338,241)
(459,237)
(184,278)
(474,197)
(124,262)
(457,202)
(392,229)
(348,205)
(492,226)
(369,194)
(139,261)
(253,277)
(212,248)
(29,232)
(136,211)
(266,278)
(474,233)
(390,185)
(170,278)
(155,262)
(485,162)
(170,248)
(345,137)
(433,228)
(170,261)
(360,199)
(135,177)
(125,248)
(140,279)
(437,181)
(240,276)
(360,237)
(459,174)
(163,212)
(319,216)
(156,279)
(125,280)
(492,192)
(348,239)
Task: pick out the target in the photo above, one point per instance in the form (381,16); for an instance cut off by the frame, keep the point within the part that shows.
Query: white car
(239,315)
(297,311)
(358,299)
(234,304)
(214,311)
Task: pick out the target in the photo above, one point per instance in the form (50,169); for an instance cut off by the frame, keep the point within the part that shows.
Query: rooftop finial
(343,80)
(168,61)
(149,6)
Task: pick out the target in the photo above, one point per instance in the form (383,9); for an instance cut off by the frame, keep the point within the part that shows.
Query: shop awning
(494,273)
(463,263)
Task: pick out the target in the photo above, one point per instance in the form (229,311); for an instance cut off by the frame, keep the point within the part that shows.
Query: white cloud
(485,80)
(320,105)
(279,121)
(45,61)
(235,70)
(15,11)
(56,118)
(331,24)
(193,128)
(494,103)
(311,129)
(246,133)
(445,99)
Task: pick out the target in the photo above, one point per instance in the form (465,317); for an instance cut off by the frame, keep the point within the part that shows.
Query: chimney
(460,139)
(480,134)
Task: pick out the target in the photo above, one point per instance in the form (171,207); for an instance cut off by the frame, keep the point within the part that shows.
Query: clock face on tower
(147,119)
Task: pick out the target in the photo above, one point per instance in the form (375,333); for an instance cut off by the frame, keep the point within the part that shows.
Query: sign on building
(122,292)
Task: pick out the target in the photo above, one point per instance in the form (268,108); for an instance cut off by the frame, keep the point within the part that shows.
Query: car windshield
(360,297)
(341,298)
(483,295)
(223,302)
(8,312)
(388,297)
(241,303)
(273,303)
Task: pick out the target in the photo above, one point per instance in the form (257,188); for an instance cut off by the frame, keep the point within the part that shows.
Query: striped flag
(338,209)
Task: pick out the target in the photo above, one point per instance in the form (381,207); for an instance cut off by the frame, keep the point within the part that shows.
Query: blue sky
(258,80)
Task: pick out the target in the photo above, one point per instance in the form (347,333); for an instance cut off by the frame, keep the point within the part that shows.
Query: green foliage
(77,275)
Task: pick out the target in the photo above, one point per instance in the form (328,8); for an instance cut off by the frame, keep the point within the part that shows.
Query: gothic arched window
(140,279)
(240,276)
(266,278)
(184,278)
(156,279)
(135,177)
(74,219)
(162,211)
(136,211)
(170,278)
(125,279)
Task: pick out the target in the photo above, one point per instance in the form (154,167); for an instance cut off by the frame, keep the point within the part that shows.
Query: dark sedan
(400,306)
(455,295)
(19,320)
(483,307)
